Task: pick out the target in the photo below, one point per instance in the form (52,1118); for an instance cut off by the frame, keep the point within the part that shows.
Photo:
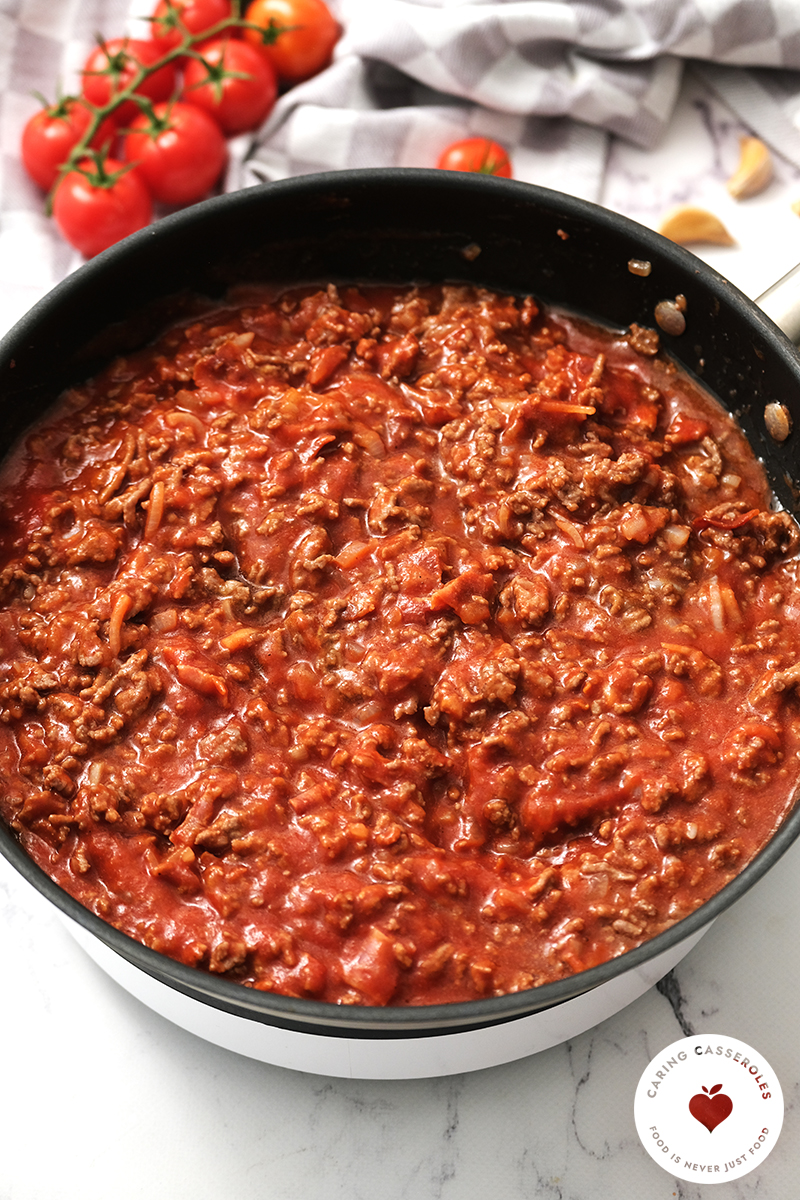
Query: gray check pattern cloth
(551,79)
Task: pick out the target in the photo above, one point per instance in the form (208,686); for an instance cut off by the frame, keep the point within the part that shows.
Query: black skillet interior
(401,226)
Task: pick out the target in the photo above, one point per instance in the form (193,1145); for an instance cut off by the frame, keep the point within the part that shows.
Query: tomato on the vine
(99,203)
(172,17)
(310,31)
(477,154)
(174,141)
(112,67)
(51,133)
(233,81)
(179,152)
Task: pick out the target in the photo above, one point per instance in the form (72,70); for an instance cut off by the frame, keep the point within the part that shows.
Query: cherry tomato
(234,82)
(100,203)
(50,135)
(111,67)
(311,32)
(195,15)
(179,155)
(476,154)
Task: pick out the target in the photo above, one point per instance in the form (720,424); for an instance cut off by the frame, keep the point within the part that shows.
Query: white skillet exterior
(385,1057)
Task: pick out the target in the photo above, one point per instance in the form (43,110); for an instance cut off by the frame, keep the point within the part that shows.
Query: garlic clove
(754,171)
(689,224)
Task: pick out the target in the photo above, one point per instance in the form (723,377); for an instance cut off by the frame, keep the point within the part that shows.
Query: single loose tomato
(179,153)
(233,81)
(477,154)
(310,31)
(112,67)
(52,132)
(174,17)
(99,203)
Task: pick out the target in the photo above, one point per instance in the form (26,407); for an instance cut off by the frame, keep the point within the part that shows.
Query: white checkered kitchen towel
(551,79)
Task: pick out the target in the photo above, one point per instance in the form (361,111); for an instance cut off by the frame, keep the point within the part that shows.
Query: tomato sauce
(394,646)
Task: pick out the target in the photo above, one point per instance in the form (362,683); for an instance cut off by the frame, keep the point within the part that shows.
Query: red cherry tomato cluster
(153,115)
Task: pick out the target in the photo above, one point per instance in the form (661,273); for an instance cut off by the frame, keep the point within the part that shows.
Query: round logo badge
(708,1108)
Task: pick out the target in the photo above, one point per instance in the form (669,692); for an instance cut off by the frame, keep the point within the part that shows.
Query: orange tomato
(305,47)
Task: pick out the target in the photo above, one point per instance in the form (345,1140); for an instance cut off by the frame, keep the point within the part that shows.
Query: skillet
(401,226)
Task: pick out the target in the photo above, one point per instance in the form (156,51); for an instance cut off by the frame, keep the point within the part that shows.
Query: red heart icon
(711,1107)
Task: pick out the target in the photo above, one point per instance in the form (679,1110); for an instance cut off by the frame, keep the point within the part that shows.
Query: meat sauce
(394,646)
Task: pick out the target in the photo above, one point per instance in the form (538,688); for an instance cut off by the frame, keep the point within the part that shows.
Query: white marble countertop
(99,1097)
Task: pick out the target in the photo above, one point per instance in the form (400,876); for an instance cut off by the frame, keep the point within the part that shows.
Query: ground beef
(394,646)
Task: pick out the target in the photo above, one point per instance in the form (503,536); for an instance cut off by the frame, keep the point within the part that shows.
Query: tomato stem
(98,173)
(271,32)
